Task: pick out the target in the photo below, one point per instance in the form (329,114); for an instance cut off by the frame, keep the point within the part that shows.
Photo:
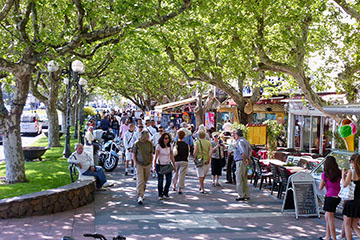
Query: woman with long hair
(352,207)
(181,161)
(142,156)
(216,159)
(163,156)
(203,150)
(330,179)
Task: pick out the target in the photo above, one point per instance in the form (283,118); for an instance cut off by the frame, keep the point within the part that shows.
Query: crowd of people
(151,149)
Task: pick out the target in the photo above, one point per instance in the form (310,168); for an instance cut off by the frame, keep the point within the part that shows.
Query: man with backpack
(242,154)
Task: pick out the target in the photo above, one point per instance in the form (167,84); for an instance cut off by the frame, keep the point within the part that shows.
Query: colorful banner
(209,120)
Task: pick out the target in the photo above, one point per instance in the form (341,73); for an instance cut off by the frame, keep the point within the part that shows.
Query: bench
(74,171)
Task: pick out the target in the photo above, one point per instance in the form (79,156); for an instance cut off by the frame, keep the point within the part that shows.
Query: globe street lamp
(75,69)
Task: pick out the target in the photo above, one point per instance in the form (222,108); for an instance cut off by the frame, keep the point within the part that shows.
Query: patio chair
(253,168)
(284,180)
(276,177)
(296,161)
(289,159)
(261,174)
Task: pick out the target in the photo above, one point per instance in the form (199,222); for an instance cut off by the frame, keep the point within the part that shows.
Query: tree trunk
(53,129)
(10,123)
(15,168)
(199,115)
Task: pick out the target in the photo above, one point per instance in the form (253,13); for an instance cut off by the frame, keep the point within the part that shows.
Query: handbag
(347,193)
(166,169)
(199,161)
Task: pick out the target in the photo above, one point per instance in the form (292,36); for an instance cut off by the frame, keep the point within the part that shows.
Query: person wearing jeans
(242,152)
(87,167)
(181,162)
(163,156)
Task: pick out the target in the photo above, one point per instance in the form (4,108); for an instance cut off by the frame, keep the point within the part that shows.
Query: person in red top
(330,179)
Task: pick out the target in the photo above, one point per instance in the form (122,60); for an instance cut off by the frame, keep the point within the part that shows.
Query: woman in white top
(164,156)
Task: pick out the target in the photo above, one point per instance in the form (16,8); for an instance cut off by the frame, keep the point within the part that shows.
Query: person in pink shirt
(124,128)
(330,179)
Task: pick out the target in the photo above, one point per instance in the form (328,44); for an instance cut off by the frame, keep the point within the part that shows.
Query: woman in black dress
(352,207)
(217,159)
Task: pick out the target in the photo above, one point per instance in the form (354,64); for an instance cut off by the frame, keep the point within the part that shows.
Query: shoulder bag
(347,193)
(199,162)
(166,169)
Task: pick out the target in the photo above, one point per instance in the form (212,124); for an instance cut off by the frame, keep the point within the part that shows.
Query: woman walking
(352,207)
(142,156)
(181,162)
(330,179)
(203,152)
(217,159)
(164,156)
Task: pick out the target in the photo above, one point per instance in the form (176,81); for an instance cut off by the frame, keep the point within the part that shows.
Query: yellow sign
(257,135)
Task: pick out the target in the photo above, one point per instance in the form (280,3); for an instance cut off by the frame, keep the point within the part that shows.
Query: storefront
(269,109)
(226,112)
(309,130)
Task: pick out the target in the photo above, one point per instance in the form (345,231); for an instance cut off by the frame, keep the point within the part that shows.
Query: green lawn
(52,172)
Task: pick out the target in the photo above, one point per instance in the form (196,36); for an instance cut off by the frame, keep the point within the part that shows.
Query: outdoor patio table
(276,162)
(294,169)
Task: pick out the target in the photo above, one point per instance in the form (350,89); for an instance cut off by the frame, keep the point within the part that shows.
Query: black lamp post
(82,89)
(75,69)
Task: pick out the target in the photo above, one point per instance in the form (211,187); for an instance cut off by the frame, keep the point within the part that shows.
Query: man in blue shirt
(242,152)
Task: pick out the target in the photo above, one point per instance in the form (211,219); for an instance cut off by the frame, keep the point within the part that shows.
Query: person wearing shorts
(203,150)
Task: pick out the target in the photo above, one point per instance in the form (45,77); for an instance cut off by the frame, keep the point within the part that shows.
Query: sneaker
(154,175)
(240,199)
(134,177)
(166,197)
(228,182)
(213,184)
(160,198)
(101,189)
(107,184)
(126,173)
(218,184)
(140,201)
(247,198)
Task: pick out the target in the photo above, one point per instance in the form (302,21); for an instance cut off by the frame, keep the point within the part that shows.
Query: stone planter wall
(60,199)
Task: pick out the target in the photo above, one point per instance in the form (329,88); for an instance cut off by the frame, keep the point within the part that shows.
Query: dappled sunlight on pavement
(191,215)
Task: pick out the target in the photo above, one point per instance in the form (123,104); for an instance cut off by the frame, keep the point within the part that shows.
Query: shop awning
(166,106)
(348,109)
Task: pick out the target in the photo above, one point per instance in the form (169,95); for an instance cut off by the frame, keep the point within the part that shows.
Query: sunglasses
(141,127)
(166,138)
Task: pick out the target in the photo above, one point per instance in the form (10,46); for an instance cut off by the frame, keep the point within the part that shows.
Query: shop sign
(299,108)
(209,120)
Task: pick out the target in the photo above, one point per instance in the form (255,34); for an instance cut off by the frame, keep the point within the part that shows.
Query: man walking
(128,141)
(241,154)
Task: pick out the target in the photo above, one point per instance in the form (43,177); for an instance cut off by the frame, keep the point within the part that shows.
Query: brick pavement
(192,215)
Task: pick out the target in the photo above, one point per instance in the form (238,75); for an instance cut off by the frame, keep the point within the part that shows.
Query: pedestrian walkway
(192,215)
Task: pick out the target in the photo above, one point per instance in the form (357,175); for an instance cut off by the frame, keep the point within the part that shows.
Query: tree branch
(3,111)
(21,25)
(349,10)
(81,14)
(35,90)
(170,53)
(35,23)
(6,9)
(7,66)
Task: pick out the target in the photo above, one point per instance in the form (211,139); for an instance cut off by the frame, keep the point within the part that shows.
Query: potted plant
(273,130)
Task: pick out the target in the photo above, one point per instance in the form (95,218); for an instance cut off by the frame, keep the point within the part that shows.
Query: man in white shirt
(156,137)
(128,141)
(227,128)
(86,165)
(149,128)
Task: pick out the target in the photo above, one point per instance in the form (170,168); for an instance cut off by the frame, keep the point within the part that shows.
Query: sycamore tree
(34,32)
(204,45)
(142,74)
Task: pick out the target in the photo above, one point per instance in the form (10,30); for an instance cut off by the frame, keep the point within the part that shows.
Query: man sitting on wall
(87,167)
